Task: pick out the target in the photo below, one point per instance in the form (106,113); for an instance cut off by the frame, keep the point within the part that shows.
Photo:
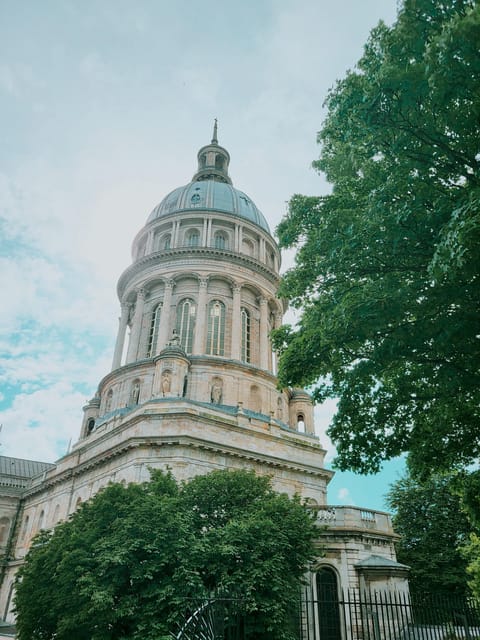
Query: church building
(193,387)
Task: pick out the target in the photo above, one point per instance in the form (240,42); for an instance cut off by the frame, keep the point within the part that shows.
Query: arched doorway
(328,604)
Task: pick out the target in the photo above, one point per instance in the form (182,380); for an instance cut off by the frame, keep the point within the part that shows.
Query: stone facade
(194,389)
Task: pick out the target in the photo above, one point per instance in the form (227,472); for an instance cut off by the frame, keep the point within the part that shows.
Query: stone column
(175,233)
(236,323)
(136,327)
(200,325)
(264,342)
(204,233)
(119,344)
(263,256)
(165,320)
(209,233)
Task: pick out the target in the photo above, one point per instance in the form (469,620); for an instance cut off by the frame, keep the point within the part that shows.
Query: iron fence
(333,615)
(389,615)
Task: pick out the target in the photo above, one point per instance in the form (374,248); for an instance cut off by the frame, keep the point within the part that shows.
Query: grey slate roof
(22,468)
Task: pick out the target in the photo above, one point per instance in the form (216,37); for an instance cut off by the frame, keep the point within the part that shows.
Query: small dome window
(90,426)
(301,423)
(193,238)
(220,240)
(219,162)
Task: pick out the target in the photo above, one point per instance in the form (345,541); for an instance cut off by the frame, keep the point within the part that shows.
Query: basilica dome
(211,189)
(212,195)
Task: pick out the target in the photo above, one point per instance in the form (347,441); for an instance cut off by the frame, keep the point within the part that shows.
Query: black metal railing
(388,615)
(347,615)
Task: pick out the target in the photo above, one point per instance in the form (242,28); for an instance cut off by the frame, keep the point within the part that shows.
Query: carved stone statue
(175,339)
(216,392)
(166,382)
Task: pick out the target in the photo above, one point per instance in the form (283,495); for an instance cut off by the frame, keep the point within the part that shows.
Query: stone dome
(212,195)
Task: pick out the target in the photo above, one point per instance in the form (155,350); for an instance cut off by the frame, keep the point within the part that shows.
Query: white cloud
(39,425)
(344,496)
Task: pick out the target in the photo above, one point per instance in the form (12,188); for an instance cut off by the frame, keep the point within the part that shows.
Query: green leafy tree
(131,561)
(470,492)
(387,268)
(433,526)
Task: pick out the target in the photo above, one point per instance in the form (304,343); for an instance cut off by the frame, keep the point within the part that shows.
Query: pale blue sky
(103,106)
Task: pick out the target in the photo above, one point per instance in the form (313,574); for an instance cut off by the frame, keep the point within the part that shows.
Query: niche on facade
(280,408)
(4,527)
(90,426)
(135,393)
(249,248)
(108,401)
(166,382)
(255,399)
(216,391)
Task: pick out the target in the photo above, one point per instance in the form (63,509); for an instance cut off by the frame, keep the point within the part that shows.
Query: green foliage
(433,527)
(128,563)
(387,269)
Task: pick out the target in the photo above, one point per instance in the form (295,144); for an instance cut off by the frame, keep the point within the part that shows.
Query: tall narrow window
(186,312)
(153,335)
(245,353)
(167,241)
(216,328)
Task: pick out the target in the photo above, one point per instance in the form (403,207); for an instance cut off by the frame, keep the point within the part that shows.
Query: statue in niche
(166,382)
(216,391)
(135,394)
(279,409)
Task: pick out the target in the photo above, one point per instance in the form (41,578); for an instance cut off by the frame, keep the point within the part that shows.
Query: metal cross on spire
(215,139)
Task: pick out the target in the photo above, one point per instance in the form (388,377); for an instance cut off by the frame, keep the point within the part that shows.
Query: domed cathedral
(193,386)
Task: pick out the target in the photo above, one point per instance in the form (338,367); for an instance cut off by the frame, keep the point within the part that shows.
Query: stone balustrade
(354,518)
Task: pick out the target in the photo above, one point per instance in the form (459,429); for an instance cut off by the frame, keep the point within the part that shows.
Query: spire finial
(214,139)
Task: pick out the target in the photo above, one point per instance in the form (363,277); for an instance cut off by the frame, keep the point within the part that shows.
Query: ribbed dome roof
(211,195)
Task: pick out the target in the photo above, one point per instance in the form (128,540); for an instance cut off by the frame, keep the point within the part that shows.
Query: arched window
(108,401)
(193,238)
(301,423)
(220,240)
(90,426)
(245,352)
(247,247)
(153,335)
(219,162)
(216,328)
(328,604)
(203,160)
(186,311)
(166,241)
(41,520)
